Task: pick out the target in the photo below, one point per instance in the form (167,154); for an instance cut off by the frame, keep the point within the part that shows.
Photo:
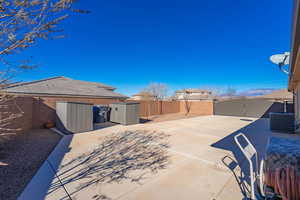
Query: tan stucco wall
(198,107)
(20,109)
(297,104)
(148,108)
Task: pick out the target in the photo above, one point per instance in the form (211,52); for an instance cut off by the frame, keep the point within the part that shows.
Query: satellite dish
(281,60)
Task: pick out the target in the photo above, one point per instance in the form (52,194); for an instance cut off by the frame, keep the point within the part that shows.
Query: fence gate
(250,107)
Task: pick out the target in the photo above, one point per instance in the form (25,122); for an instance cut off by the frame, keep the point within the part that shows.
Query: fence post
(148,105)
(160,107)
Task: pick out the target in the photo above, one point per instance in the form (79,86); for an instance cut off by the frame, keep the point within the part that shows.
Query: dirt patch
(167,117)
(21,157)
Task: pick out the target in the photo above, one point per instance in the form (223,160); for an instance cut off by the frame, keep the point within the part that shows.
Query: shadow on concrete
(129,155)
(98,126)
(145,120)
(247,120)
(231,164)
(258,133)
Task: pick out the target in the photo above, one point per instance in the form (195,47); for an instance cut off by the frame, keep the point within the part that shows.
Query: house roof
(193,91)
(144,94)
(63,86)
(278,94)
(275,95)
(199,97)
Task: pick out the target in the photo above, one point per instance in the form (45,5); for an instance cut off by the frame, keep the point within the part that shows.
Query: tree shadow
(103,125)
(129,155)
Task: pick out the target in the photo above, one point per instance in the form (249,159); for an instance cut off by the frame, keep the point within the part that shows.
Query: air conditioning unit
(282,122)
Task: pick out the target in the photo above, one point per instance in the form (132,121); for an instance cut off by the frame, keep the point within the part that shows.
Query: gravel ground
(21,157)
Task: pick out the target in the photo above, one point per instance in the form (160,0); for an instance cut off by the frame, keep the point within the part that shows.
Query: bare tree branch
(158,90)
(187,102)
(22,24)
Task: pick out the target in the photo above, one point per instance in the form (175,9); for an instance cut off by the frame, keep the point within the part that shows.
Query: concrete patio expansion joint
(223,188)
(194,158)
(223,168)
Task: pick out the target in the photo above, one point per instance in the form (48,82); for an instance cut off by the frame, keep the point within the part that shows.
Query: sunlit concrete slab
(113,189)
(200,161)
(232,190)
(192,180)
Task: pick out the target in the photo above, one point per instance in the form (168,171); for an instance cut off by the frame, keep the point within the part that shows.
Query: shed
(125,113)
(74,117)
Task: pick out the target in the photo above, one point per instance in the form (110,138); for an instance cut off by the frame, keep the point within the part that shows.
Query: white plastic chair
(249,152)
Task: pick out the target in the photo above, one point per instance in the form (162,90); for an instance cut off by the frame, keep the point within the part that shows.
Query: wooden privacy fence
(204,107)
(149,108)
(258,108)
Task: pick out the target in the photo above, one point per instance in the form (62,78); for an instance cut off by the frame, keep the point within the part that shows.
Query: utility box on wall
(125,113)
(73,117)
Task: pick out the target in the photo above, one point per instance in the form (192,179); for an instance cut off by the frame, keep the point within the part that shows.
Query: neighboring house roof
(198,97)
(63,86)
(193,94)
(193,91)
(275,95)
(143,94)
(278,94)
(224,98)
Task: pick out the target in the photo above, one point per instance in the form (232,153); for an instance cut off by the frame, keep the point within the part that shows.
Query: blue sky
(182,43)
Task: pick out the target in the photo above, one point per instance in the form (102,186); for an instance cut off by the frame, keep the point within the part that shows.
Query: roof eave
(294,59)
(66,95)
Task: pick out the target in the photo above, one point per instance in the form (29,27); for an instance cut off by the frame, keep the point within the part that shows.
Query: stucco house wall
(294,73)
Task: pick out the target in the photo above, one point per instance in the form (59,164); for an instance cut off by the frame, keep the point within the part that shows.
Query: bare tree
(158,90)
(215,90)
(230,92)
(22,24)
(187,101)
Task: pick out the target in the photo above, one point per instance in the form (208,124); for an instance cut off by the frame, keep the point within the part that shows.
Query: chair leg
(252,183)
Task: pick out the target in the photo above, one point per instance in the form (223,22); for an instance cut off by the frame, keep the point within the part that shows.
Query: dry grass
(21,157)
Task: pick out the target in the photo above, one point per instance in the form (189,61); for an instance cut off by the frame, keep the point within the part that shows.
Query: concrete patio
(202,162)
